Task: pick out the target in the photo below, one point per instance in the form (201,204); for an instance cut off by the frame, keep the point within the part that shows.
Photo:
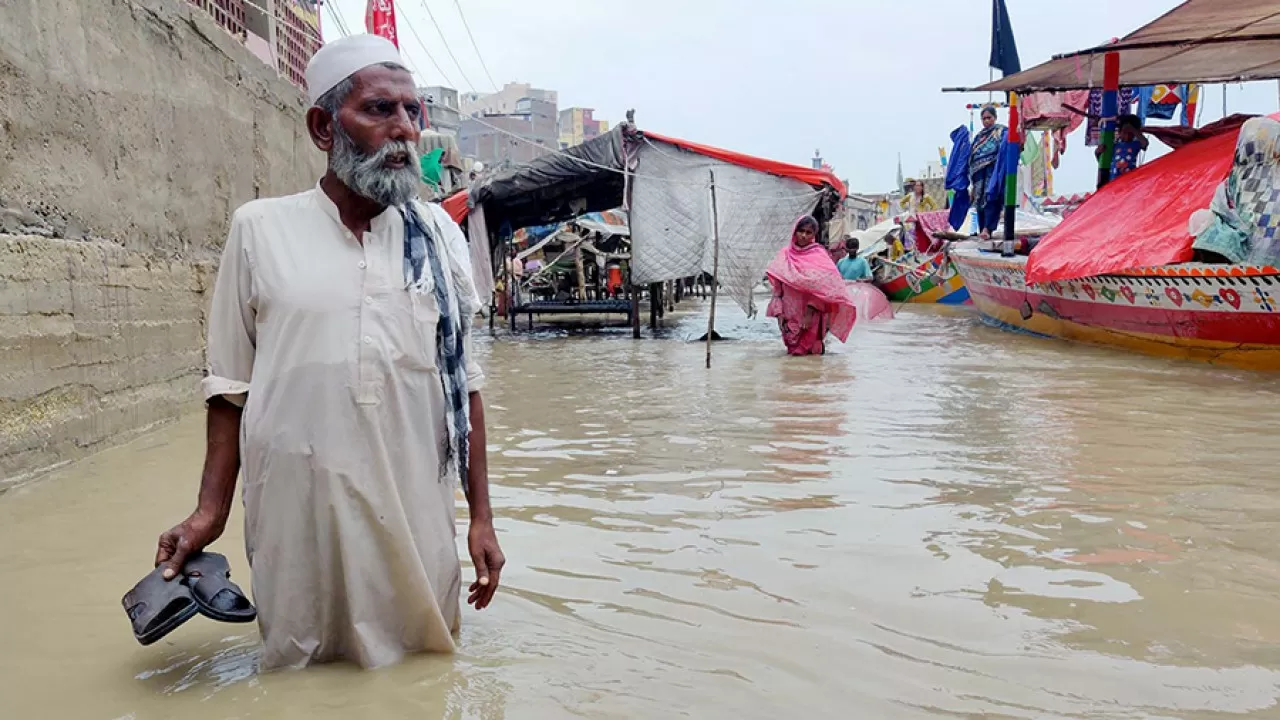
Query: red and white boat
(1117,270)
(1227,314)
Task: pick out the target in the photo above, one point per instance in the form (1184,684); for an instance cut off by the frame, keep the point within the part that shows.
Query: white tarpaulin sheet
(481,269)
(671,232)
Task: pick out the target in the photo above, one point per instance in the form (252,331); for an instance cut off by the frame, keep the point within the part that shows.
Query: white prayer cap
(340,59)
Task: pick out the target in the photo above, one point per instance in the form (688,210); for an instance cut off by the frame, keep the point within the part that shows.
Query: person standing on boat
(810,299)
(984,152)
(920,202)
(1130,143)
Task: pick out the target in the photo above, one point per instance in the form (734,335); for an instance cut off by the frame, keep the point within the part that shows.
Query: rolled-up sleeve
(475,373)
(232,336)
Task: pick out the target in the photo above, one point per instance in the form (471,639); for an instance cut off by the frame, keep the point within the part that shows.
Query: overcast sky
(859,79)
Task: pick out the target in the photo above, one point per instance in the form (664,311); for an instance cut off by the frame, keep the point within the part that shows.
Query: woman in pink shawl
(810,298)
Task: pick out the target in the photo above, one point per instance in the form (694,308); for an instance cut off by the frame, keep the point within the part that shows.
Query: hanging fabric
(1093,129)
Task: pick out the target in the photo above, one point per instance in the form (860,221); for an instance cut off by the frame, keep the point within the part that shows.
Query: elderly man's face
(382,106)
(372,141)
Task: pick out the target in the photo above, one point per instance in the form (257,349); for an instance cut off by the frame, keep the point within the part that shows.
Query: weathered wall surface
(129,132)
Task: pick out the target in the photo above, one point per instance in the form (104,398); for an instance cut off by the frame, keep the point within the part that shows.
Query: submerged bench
(557,307)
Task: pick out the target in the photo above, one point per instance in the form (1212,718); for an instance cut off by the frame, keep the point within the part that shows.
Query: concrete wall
(129,132)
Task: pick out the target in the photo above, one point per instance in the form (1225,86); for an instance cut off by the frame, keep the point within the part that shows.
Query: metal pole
(1110,109)
(715,265)
(1011,177)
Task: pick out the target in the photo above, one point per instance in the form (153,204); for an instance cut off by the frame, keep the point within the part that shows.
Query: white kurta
(348,525)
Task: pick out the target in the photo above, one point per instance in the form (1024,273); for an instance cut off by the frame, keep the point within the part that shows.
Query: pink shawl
(810,275)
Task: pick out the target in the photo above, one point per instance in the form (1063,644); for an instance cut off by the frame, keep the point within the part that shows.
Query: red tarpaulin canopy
(809,176)
(1139,219)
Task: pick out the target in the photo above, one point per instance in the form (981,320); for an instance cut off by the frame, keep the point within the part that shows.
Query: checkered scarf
(421,251)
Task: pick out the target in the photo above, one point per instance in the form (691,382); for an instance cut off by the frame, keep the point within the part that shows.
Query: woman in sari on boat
(810,298)
(982,162)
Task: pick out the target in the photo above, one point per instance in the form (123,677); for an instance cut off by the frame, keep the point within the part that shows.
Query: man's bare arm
(217,490)
(482,540)
(478,465)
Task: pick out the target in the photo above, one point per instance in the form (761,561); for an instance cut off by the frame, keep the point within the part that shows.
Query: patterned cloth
(421,249)
(1125,157)
(1257,164)
(1093,131)
(1246,206)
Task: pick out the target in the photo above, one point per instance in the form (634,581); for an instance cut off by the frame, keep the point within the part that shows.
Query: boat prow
(1226,314)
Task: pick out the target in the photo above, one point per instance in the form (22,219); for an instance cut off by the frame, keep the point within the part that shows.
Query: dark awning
(558,186)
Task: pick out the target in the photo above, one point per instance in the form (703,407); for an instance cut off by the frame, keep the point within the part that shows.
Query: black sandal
(156,606)
(208,575)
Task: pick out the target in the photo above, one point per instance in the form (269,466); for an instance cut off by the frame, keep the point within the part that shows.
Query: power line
(414,32)
(337,19)
(556,151)
(345,32)
(476,47)
(291,23)
(448,49)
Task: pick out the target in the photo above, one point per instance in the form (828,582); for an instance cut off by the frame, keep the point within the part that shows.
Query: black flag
(1004,51)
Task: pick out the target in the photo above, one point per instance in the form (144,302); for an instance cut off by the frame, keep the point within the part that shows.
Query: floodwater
(940,519)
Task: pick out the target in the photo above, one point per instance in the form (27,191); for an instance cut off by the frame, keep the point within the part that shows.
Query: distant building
(504,101)
(502,140)
(864,210)
(933,169)
(284,34)
(229,14)
(578,126)
(297,37)
(443,112)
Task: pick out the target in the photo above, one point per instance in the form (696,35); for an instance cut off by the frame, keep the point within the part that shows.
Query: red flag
(380,19)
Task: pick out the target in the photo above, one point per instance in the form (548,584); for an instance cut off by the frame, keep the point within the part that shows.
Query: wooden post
(715,266)
(655,304)
(582,273)
(634,293)
(1011,177)
(1110,109)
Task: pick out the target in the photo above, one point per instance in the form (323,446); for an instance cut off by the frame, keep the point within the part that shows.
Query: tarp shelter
(558,186)
(1137,220)
(875,239)
(668,202)
(1200,41)
(757,203)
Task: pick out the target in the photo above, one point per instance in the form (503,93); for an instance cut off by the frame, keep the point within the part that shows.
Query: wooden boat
(935,280)
(1117,271)
(1227,314)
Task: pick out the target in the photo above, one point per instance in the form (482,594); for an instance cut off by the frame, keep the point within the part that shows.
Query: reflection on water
(936,520)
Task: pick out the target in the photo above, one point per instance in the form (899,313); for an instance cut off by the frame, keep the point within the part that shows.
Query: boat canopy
(1139,219)
(1200,41)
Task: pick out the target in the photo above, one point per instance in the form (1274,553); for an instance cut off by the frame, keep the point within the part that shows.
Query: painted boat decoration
(935,280)
(1228,314)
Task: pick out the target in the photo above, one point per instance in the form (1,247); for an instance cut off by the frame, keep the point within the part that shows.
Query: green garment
(431,168)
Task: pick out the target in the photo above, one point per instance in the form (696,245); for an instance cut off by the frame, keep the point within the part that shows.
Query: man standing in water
(340,376)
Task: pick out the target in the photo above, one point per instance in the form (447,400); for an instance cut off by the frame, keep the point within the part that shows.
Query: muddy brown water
(940,519)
